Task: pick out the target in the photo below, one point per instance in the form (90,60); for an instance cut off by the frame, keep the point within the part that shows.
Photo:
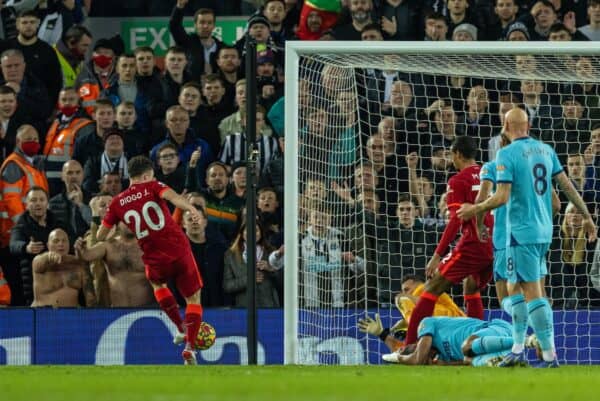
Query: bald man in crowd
(58,278)
(122,257)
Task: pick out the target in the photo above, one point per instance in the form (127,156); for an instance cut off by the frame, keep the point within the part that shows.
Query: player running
(457,341)
(472,256)
(167,253)
(525,170)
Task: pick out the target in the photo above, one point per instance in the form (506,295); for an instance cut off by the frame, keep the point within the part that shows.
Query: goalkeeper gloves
(370,326)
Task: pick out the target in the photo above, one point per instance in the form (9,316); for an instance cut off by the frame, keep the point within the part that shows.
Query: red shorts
(183,270)
(459,264)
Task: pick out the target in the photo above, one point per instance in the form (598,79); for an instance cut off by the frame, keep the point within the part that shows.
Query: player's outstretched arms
(567,187)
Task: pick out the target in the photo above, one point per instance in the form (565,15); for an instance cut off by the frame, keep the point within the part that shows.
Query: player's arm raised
(180,202)
(567,187)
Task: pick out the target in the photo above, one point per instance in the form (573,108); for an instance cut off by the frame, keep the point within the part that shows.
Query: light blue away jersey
(449,333)
(488,173)
(529,166)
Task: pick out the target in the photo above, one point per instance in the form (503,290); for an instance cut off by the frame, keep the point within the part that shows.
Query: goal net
(368,130)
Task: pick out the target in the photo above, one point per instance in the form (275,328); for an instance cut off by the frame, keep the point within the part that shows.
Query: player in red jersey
(473,255)
(166,250)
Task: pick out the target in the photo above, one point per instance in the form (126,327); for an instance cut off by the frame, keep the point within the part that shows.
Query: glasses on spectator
(168,156)
(179,120)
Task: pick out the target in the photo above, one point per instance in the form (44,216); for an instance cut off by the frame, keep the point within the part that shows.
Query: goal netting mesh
(373,140)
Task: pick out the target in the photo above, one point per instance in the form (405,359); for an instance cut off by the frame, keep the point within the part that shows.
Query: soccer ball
(206,336)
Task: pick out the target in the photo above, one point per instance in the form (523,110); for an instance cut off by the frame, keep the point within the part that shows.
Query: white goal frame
(293,51)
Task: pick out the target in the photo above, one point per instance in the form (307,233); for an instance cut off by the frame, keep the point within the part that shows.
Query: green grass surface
(285,383)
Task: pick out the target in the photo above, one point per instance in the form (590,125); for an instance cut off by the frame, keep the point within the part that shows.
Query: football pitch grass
(289,383)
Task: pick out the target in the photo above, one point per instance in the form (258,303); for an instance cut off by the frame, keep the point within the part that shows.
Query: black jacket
(209,258)
(191,42)
(87,145)
(68,212)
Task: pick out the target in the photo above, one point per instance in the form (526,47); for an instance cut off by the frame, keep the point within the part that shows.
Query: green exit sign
(155,32)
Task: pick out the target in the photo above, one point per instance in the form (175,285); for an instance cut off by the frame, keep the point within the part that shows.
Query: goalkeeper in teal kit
(525,170)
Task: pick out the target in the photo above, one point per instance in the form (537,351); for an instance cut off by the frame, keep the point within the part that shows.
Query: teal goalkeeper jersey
(488,173)
(449,333)
(529,165)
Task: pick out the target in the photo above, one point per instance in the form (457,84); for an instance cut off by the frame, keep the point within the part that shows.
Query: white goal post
(321,332)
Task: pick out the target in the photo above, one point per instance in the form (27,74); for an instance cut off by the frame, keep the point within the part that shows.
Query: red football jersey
(463,188)
(143,210)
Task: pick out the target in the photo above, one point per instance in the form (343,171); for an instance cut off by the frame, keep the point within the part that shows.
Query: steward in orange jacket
(22,170)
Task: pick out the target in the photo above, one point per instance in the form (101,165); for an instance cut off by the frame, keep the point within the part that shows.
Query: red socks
(423,309)
(193,318)
(474,305)
(168,304)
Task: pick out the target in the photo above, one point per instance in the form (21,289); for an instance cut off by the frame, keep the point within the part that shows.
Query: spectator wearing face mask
(22,170)
(99,73)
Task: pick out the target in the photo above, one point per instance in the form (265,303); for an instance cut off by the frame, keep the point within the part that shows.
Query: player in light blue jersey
(488,186)
(525,170)
(457,341)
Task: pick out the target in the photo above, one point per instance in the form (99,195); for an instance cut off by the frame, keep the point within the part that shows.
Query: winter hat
(468,28)
(517,26)
(258,19)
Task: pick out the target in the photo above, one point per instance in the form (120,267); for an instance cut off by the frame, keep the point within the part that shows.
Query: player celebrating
(167,252)
(471,256)
(525,170)
(457,341)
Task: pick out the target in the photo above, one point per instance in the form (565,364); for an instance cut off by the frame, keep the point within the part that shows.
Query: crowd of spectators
(75,107)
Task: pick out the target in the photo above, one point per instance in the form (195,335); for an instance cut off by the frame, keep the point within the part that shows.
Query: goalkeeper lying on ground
(412,287)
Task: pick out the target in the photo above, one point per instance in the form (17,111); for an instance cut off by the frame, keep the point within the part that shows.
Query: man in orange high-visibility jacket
(70,122)
(412,287)
(22,170)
